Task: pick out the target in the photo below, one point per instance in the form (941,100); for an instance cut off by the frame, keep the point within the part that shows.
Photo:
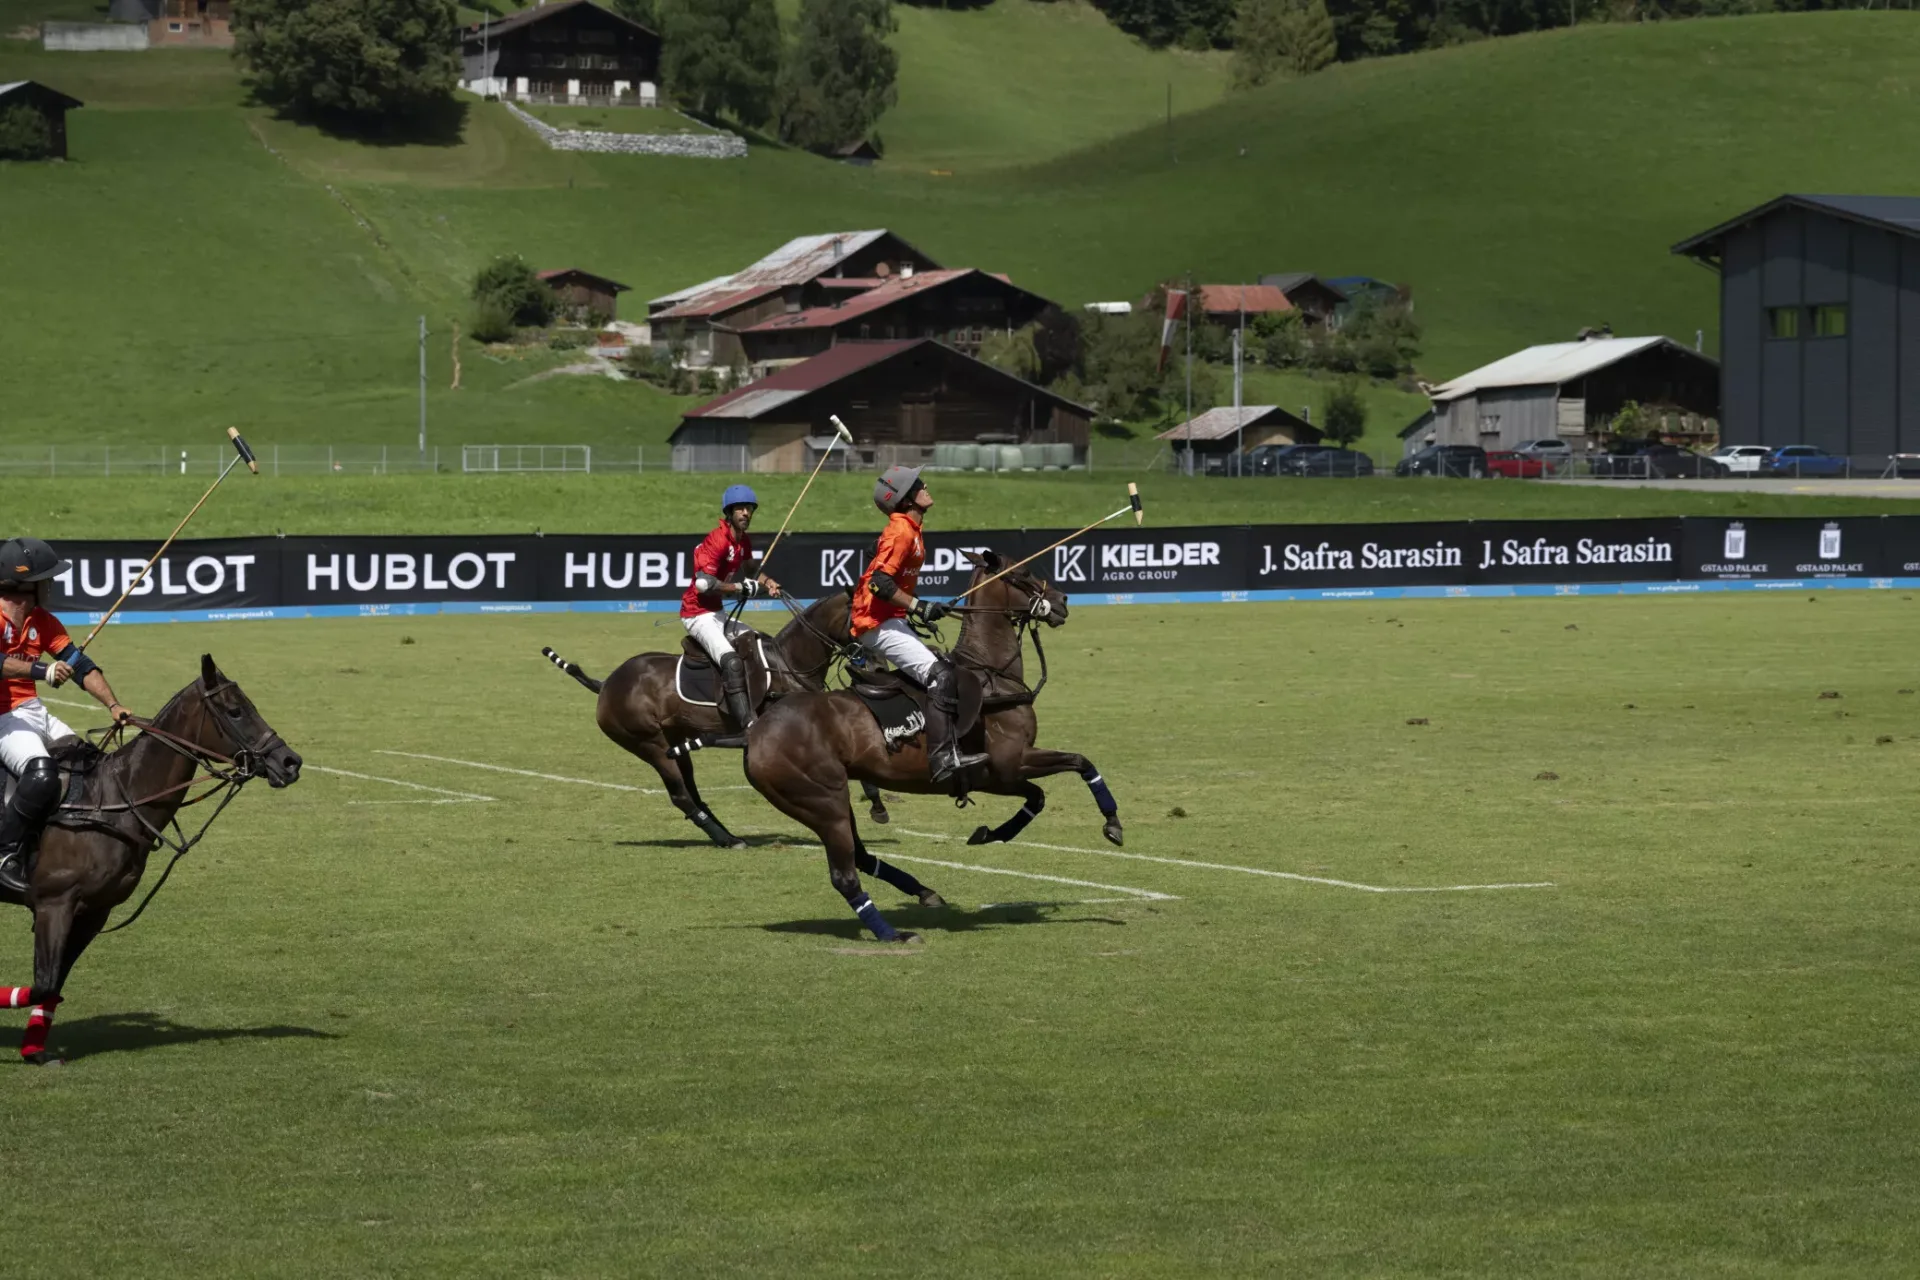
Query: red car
(1515,466)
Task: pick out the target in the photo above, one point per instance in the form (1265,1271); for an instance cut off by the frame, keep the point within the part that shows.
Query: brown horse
(642,710)
(94,851)
(801,754)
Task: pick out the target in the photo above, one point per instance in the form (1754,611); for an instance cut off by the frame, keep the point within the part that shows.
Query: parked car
(1804,460)
(1267,458)
(1515,465)
(1657,462)
(1324,460)
(1467,461)
(1545,448)
(1742,459)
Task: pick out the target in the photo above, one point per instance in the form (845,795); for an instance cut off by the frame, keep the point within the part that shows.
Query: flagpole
(1189,310)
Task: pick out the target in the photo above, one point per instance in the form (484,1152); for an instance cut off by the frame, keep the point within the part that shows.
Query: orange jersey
(898,555)
(40,635)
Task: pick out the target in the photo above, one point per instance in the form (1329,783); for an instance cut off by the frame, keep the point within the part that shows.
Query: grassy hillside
(180,275)
(1017,82)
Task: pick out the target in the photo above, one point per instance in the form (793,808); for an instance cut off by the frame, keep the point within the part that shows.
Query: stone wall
(703,146)
(93,37)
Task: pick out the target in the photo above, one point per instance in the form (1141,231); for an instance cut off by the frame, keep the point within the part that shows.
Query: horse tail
(572,669)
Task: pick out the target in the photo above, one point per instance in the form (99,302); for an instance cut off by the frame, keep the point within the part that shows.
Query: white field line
(1253,871)
(551,777)
(1141,895)
(455,797)
(69,702)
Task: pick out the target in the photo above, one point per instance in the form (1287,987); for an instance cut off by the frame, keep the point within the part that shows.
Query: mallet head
(246,454)
(840,429)
(1133,496)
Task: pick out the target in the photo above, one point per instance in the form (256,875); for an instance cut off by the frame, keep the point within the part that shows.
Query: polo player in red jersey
(720,569)
(34,648)
(884,601)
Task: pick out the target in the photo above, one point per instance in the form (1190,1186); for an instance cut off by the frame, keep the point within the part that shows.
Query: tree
(839,76)
(1271,36)
(644,12)
(24,134)
(1343,412)
(365,63)
(1012,353)
(722,55)
(513,289)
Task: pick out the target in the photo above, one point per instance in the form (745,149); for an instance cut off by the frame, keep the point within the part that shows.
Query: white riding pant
(26,732)
(715,633)
(894,640)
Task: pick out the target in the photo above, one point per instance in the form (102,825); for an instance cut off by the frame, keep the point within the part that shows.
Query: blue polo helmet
(737,495)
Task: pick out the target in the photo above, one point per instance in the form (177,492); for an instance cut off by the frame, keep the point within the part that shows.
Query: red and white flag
(1176,311)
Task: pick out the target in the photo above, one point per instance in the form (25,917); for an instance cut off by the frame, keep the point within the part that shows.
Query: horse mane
(798,625)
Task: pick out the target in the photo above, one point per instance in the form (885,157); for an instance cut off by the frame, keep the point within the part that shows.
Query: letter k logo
(1069,564)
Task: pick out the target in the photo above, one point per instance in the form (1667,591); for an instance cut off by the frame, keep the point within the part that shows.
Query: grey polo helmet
(893,486)
(27,561)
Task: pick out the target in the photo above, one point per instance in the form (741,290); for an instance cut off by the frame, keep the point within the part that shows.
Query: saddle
(898,706)
(697,680)
(76,759)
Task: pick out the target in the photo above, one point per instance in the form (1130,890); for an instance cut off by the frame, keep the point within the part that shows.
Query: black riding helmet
(24,562)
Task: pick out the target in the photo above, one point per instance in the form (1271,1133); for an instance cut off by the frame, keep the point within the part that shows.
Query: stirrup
(13,873)
(949,761)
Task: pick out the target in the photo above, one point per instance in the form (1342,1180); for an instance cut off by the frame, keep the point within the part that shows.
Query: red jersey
(721,554)
(898,555)
(41,634)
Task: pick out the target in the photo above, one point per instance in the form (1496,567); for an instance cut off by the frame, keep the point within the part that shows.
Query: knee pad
(38,792)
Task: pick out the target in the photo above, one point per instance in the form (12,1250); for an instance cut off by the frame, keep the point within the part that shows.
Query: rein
(227,774)
(1026,622)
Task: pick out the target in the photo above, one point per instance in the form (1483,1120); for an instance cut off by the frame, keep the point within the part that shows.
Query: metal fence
(207,459)
(526,457)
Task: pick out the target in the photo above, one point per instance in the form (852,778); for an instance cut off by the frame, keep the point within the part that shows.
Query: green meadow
(201,263)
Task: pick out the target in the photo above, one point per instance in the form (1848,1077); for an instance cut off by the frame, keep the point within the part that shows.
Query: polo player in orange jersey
(885,600)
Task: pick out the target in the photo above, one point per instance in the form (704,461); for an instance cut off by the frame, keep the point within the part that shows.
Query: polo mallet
(840,434)
(243,454)
(1133,505)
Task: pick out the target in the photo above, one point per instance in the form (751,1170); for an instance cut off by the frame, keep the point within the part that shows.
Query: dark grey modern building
(1819,313)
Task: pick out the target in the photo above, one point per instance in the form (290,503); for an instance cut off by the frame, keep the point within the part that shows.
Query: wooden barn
(50,104)
(911,401)
(1218,431)
(585,296)
(702,323)
(1318,301)
(959,307)
(569,52)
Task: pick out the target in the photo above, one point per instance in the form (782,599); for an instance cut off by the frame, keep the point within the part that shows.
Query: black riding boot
(733,679)
(34,800)
(944,757)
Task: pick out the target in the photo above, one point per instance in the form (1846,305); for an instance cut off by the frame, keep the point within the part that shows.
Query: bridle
(226,774)
(1026,620)
(837,648)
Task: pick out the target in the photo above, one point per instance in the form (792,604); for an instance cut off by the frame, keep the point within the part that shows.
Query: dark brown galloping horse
(642,710)
(801,754)
(94,852)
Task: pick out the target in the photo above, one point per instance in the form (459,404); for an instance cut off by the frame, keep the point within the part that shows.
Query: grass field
(177,274)
(665,502)
(380,1029)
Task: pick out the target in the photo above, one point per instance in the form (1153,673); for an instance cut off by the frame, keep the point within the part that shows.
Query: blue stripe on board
(420,610)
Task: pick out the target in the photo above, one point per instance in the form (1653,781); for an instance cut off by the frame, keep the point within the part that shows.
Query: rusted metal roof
(1250,298)
(799,260)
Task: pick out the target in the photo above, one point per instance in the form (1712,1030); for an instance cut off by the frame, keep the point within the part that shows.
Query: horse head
(214,715)
(1019,594)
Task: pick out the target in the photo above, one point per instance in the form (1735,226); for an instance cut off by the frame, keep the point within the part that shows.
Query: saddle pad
(898,715)
(76,759)
(697,681)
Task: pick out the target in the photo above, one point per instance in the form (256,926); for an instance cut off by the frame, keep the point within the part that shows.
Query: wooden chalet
(1226,303)
(862,153)
(702,324)
(568,52)
(584,295)
(901,399)
(1318,302)
(1217,431)
(179,22)
(959,307)
(51,104)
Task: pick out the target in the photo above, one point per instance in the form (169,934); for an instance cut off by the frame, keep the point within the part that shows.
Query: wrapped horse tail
(572,669)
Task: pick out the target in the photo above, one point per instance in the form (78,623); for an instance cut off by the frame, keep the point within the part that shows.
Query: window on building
(1830,321)
(1783,322)
(175,27)
(594,37)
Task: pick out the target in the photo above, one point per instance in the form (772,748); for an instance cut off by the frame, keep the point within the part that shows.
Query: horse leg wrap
(1016,824)
(870,916)
(681,750)
(901,880)
(15,997)
(1101,796)
(39,1023)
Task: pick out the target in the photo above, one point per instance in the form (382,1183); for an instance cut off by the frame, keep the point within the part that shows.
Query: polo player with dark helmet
(720,569)
(34,648)
(884,601)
